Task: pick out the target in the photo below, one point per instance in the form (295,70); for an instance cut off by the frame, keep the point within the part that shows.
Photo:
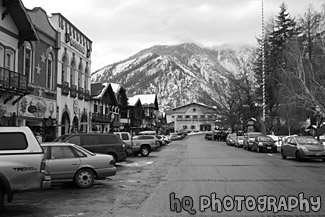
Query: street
(206,178)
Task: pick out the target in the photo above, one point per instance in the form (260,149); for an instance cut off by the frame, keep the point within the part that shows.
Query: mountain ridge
(178,74)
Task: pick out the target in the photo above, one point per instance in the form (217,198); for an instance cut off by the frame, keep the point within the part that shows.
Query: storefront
(39,114)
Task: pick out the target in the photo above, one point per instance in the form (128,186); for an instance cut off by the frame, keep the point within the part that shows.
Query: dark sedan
(264,144)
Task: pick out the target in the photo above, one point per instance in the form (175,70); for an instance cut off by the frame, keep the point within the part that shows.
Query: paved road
(199,169)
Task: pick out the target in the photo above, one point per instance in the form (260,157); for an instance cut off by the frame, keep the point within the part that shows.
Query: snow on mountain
(178,74)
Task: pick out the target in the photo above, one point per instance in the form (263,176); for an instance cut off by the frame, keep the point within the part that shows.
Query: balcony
(13,80)
(73,91)
(87,95)
(100,118)
(65,88)
(80,93)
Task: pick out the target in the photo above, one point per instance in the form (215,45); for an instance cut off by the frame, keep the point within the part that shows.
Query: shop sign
(34,106)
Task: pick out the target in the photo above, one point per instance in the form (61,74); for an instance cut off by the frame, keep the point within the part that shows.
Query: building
(136,115)
(104,107)
(192,117)
(121,119)
(15,29)
(151,110)
(38,60)
(73,77)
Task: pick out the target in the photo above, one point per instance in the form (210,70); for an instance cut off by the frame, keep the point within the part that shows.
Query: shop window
(64,69)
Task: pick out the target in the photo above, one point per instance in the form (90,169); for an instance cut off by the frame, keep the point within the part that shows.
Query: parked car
(68,162)
(166,139)
(302,147)
(105,143)
(277,141)
(209,135)
(239,142)
(161,140)
(231,138)
(174,136)
(249,138)
(127,139)
(144,144)
(264,143)
(22,163)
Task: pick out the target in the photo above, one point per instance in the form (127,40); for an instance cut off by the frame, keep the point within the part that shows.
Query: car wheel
(84,178)
(144,151)
(298,156)
(1,199)
(283,156)
(323,160)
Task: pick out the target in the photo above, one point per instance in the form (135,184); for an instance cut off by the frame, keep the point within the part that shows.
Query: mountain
(178,74)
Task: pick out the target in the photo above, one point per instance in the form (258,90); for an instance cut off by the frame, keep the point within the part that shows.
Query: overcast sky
(121,28)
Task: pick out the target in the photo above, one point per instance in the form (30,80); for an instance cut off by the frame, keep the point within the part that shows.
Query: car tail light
(112,162)
(43,168)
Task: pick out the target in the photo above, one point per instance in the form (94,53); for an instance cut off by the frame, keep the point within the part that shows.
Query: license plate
(268,147)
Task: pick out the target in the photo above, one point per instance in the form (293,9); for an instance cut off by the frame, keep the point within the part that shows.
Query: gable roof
(98,91)
(21,19)
(148,100)
(194,103)
(133,100)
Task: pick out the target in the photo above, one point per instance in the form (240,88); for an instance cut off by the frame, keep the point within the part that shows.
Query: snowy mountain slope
(178,74)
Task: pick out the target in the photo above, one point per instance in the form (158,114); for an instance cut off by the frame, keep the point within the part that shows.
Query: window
(184,127)
(73,70)
(13,141)
(64,69)
(172,116)
(108,139)
(101,109)
(187,116)
(1,56)
(86,77)
(61,152)
(193,127)
(95,108)
(202,116)
(28,62)
(125,136)
(9,60)
(49,74)
(179,116)
(106,110)
(79,153)
(194,117)
(90,140)
(74,140)
(194,109)
(79,74)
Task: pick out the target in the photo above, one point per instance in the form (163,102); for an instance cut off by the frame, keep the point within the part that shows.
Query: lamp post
(263,73)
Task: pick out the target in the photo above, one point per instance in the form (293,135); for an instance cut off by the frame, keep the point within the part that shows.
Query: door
(62,164)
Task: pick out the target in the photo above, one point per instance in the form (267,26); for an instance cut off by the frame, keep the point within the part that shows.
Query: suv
(144,144)
(22,163)
(105,143)
(249,139)
(127,139)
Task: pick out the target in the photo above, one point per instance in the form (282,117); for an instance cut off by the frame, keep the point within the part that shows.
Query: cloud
(120,28)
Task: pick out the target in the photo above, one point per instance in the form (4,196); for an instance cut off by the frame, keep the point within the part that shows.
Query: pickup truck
(144,144)
(22,163)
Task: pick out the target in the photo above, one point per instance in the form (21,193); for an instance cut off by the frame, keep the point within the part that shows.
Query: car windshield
(307,141)
(240,137)
(61,138)
(265,139)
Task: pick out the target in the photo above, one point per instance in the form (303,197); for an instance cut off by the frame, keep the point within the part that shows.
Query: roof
(23,22)
(133,100)
(148,100)
(115,87)
(98,90)
(193,103)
